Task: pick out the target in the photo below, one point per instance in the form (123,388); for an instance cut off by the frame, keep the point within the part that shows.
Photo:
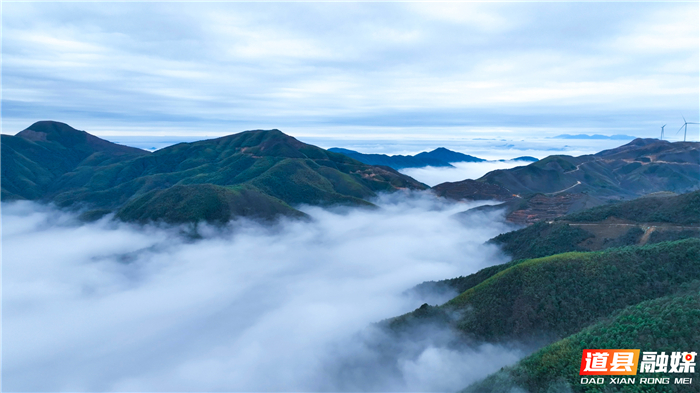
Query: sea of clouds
(109,306)
(459,171)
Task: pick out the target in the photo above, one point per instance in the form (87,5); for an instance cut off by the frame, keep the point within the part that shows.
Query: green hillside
(559,185)
(258,173)
(621,224)
(638,296)
(187,203)
(556,296)
(682,210)
(666,324)
(640,167)
(35,158)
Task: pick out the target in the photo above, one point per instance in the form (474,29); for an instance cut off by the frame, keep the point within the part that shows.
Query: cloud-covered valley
(107,306)
(433,176)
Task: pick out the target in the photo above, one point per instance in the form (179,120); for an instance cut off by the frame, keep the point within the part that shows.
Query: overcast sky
(366,70)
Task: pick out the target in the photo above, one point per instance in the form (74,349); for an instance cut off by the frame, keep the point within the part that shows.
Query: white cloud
(433,176)
(109,306)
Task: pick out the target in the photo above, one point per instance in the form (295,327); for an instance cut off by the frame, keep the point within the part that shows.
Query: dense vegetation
(253,173)
(541,239)
(638,168)
(673,213)
(461,283)
(559,185)
(34,159)
(665,324)
(682,210)
(626,296)
(559,295)
(186,203)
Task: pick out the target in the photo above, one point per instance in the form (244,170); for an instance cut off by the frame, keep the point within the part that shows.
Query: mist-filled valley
(472,197)
(110,306)
(433,176)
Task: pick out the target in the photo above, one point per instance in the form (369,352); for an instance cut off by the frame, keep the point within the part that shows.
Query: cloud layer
(433,176)
(379,68)
(108,306)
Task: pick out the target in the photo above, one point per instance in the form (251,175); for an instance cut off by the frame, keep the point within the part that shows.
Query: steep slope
(188,203)
(34,158)
(667,324)
(553,297)
(266,171)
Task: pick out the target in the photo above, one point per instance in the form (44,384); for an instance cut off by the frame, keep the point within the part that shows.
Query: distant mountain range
(440,157)
(595,136)
(265,173)
(254,173)
(560,184)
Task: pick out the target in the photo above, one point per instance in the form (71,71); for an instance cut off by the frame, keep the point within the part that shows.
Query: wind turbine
(662,131)
(686,127)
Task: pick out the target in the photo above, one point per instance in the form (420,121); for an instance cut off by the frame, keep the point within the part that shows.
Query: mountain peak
(448,156)
(46,129)
(69,137)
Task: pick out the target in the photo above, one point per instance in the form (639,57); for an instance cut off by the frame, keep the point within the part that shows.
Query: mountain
(638,168)
(439,157)
(646,220)
(636,291)
(448,156)
(261,173)
(561,184)
(553,297)
(36,157)
(522,158)
(667,324)
(473,190)
(641,221)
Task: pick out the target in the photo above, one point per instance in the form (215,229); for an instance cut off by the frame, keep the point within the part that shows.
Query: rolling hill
(641,221)
(261,173)
(552,297)
(560,185)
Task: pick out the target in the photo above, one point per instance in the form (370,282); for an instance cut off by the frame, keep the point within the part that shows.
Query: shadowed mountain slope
(36,157)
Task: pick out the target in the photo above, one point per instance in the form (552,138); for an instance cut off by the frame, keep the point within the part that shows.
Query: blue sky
(352,70)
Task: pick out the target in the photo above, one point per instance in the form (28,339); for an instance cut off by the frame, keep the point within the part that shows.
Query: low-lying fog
(433,176)
(109,306)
